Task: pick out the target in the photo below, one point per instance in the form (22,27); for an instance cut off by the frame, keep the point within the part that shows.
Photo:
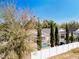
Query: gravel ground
(73,54)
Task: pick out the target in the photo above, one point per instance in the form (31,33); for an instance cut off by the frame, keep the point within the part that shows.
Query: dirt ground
(73,54)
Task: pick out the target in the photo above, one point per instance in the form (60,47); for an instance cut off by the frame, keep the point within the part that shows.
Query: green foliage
(72,37)
(67,34)
(77,38)
(52,33)
(56,36)
(46,24)
(72,25)
(39,38)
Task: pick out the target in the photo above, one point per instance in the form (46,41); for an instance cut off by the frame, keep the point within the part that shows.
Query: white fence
(46,53)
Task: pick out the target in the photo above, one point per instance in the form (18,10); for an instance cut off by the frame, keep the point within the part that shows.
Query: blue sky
(57,10)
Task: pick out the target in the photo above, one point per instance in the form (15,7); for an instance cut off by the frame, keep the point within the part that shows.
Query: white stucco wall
(46,53)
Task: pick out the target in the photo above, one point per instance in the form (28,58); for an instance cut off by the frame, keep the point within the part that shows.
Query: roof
(46,32)
(77,31)
(61,30)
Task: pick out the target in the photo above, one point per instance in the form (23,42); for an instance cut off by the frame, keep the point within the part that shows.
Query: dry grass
(73,54)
